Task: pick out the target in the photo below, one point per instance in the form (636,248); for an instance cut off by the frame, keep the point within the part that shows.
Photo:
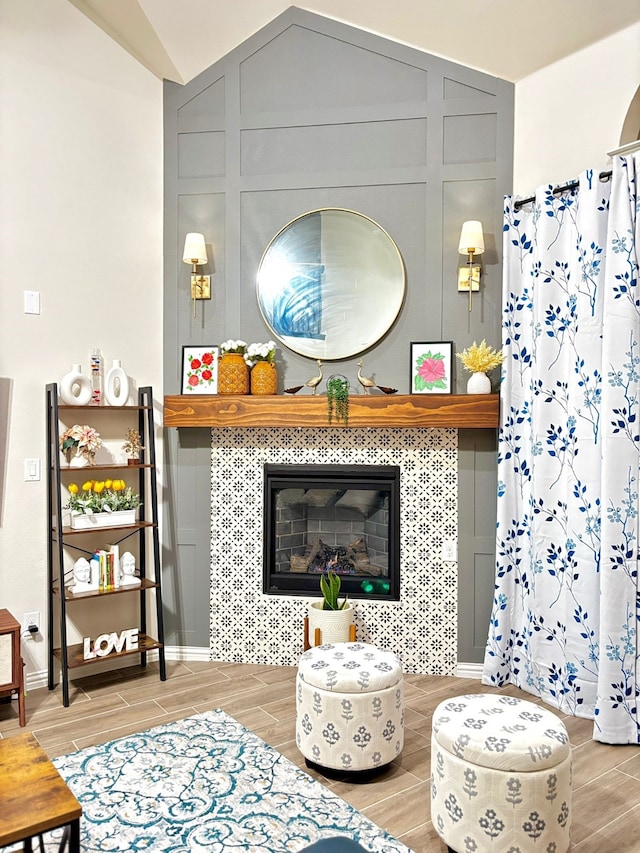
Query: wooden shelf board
(75,652)
(77,596)
(65,407)
(460,411)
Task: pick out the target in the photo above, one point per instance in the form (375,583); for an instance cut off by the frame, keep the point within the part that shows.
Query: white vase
(75,389)
(78,460)
(478,383)
(334,624)
(116,385)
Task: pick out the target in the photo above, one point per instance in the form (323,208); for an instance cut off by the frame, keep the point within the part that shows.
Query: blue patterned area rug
(205,784)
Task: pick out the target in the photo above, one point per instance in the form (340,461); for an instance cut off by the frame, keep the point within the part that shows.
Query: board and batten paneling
(309,113)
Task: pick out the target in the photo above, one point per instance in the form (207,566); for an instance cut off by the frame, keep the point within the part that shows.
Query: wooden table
(34,798)
(11,664)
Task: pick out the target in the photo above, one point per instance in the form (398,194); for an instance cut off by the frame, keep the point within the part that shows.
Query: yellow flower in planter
(102,496)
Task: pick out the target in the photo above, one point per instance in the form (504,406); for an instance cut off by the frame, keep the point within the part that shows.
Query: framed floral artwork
(200,369)
(431,365)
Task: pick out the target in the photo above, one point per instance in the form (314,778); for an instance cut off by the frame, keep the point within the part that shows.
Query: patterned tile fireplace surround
(252,627)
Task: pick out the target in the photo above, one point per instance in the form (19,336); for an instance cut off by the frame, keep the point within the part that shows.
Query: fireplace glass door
(344,518)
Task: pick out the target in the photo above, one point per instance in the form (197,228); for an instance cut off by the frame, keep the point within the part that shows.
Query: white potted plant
(333,617)
(79,444)
(480,359)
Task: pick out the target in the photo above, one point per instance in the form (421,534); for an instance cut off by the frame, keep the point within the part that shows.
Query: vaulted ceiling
(177,39)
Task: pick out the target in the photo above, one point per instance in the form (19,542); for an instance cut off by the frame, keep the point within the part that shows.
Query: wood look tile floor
(606,779)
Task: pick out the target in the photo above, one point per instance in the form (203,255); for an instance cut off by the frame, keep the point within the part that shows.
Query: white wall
(568,115)
(81,213)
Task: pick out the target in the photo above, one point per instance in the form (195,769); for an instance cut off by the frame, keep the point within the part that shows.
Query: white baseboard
(187,653)
(469,670)
(200,653)
(35,680)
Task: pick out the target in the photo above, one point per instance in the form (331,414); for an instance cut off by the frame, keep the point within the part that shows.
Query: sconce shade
(195,251)
(471,238)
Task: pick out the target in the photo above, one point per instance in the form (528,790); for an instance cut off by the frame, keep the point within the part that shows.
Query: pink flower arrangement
(80,439)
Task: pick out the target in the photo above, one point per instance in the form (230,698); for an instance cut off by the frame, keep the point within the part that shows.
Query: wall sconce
(195,253)
(471,243)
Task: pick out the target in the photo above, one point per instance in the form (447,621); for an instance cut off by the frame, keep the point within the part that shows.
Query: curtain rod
(603,176)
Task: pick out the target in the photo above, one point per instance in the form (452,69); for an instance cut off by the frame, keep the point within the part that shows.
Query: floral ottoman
(500,776)
(349,703)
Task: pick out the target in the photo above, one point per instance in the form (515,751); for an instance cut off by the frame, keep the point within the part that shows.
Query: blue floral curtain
(566,611)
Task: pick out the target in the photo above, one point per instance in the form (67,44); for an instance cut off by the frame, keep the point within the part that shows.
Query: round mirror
(330,284)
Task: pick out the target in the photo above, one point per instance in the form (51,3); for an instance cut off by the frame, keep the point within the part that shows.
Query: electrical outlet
(449,553)
(31,621)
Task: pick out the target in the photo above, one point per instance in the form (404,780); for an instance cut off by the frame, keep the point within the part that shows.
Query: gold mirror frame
(330,284)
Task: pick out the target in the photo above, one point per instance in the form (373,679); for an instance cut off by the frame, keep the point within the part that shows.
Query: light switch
(31,302)
(31,470)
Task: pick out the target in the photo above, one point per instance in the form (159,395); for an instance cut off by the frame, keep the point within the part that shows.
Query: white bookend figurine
(128,566)
(82,577)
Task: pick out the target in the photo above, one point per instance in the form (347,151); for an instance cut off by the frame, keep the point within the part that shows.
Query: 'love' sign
(105,644)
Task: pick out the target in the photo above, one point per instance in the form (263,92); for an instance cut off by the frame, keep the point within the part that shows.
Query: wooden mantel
(461,411)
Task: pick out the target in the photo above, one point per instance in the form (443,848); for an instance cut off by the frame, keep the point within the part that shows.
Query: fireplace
(251,627)
(344,518)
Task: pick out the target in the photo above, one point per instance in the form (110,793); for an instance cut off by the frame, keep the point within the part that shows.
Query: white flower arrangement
(80,438)
(233,346)
(260,352)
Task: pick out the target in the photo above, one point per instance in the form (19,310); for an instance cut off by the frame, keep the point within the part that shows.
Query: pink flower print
(430,372)
(431,369)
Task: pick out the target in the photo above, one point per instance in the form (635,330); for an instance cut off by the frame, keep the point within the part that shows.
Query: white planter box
(91,521)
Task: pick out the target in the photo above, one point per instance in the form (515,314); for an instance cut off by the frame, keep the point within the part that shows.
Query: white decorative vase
(334,624)
(116,385)
(93,520)
(478,383)
(78,461)
(75,389)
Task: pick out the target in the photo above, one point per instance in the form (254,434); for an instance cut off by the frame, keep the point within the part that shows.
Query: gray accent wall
(311,113)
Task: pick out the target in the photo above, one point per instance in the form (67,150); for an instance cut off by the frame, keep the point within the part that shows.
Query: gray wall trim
(463,173)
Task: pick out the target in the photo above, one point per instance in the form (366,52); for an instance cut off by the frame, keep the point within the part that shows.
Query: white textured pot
(93,520)
(478,383)
(334,624)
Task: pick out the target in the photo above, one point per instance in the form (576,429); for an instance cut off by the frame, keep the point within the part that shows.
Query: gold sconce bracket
(463,278)
(201,287)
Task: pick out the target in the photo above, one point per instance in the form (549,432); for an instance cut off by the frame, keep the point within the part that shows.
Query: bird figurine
(315,380)
(368,383)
